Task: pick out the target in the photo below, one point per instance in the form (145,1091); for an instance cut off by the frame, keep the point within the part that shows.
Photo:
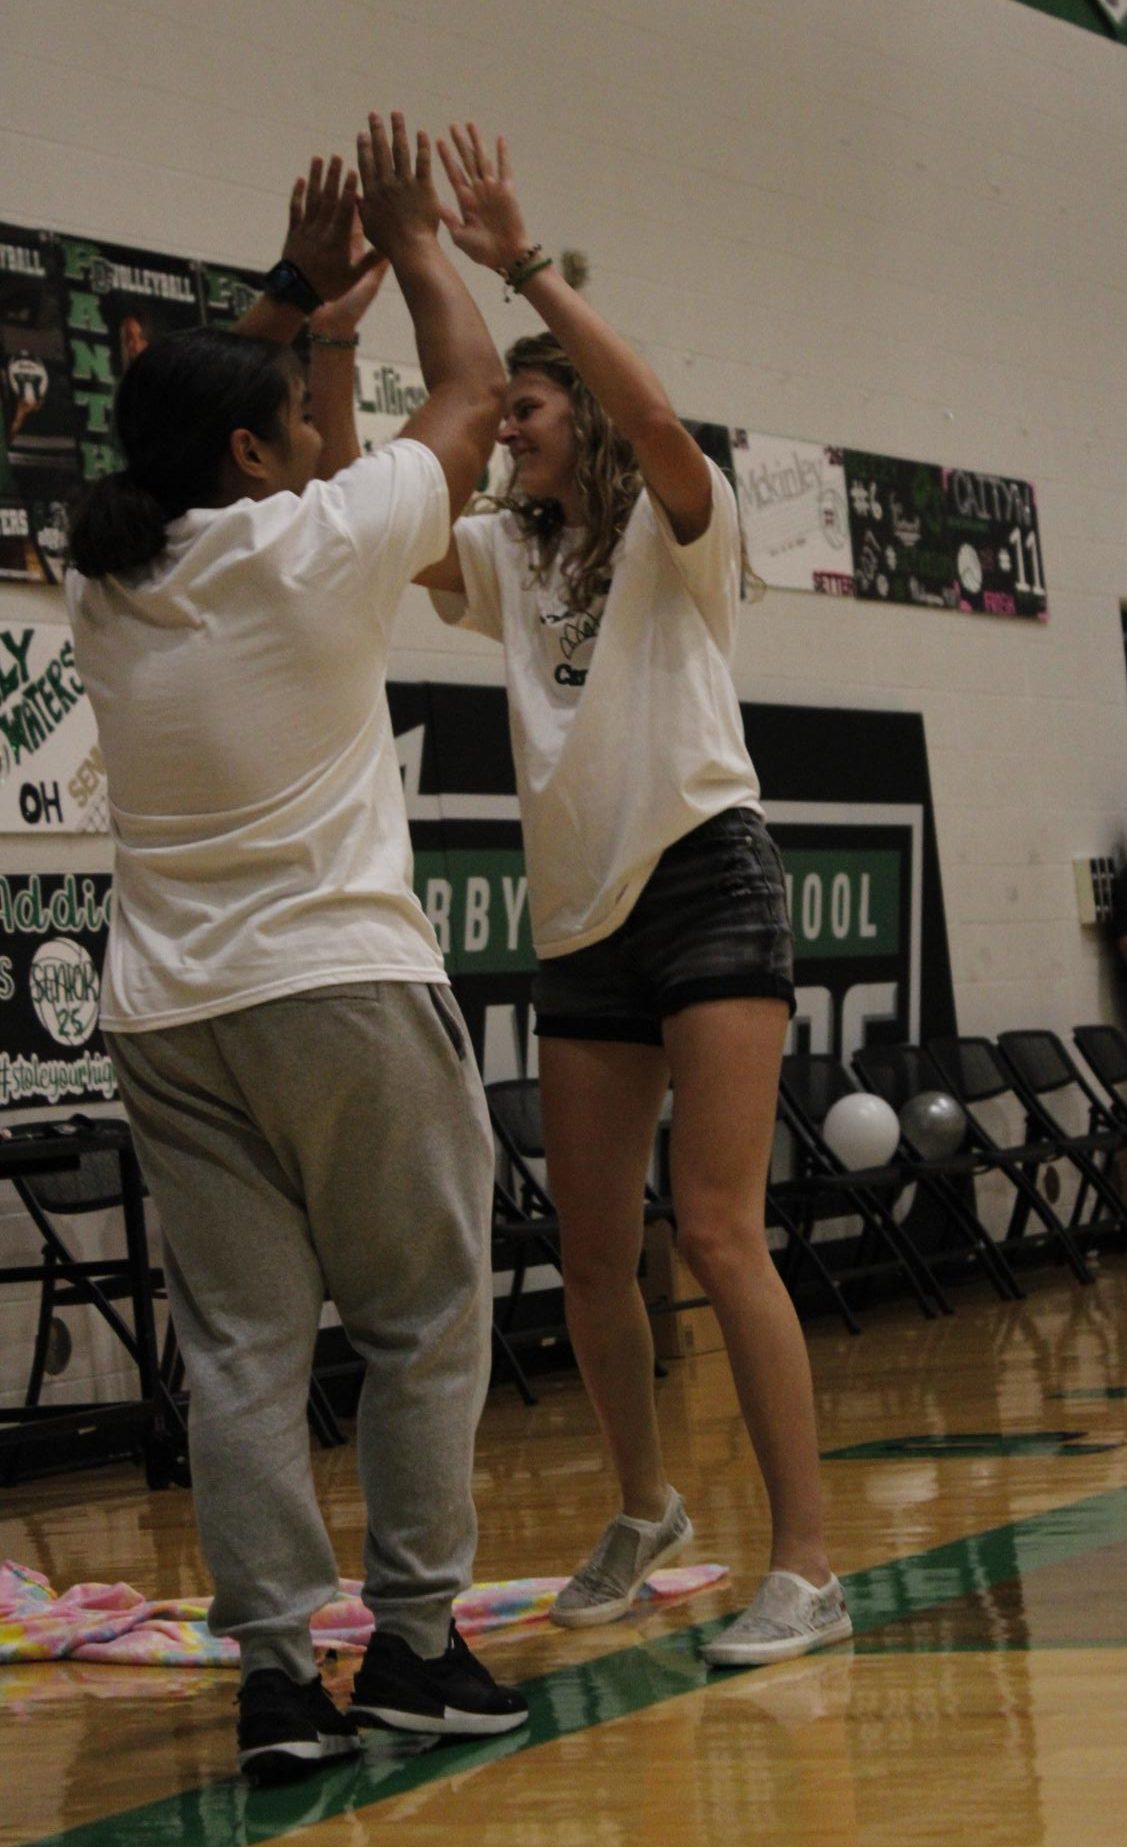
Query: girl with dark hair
(305,1104)
(612,576)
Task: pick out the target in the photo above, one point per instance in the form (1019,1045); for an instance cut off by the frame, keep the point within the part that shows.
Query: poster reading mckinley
(52,940)
(794,512)
(52,777)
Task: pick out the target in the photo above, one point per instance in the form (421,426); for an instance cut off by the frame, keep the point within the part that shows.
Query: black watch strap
(285,282)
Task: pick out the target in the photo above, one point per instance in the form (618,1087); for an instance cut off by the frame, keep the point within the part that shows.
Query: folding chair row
(92,1182)
(911,1249)
(1025,1068)
(525,1225)
(823,1186)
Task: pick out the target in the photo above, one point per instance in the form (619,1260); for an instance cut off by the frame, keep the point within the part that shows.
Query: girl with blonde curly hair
(610,570)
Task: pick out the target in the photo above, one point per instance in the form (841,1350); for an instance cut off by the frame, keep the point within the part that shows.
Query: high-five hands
(398,203)
(321,239)
(488,226)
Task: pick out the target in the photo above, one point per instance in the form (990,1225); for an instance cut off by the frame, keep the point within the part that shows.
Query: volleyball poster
(896,516)
(948,537)
(116,301)
(38,450)
(794,512)
(227,293)
(993,536)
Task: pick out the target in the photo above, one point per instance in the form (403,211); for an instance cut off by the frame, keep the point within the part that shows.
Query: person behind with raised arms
(306,1107)
(612,576)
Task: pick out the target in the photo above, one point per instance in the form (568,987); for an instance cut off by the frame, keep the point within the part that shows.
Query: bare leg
(725,1056)
(601,1102)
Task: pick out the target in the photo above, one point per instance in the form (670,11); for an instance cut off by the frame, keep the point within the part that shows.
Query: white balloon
(862,1130)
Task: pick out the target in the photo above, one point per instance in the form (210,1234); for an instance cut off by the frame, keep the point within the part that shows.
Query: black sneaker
(287,1729)
(452,1693)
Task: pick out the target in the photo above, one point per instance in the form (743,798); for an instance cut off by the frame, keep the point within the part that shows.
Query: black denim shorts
(711,923)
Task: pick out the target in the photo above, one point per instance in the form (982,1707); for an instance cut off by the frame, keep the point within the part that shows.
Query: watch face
(285,282)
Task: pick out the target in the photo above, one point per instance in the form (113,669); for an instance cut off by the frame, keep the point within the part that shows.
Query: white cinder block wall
(896,225)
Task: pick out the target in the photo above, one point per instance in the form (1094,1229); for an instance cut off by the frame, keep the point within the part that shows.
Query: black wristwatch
(285,282)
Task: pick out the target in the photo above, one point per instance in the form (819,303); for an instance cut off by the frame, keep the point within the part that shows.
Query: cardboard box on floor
(666,1278)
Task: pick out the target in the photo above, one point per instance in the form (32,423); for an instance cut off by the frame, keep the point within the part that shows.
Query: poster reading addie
(794,512)
(52,939)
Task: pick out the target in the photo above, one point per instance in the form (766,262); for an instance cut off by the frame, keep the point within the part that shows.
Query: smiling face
(538,430)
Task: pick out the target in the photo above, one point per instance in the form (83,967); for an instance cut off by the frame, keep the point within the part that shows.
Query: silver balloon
(934,1124)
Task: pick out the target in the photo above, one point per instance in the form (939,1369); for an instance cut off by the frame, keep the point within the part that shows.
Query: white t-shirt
(239,685)
(625,725)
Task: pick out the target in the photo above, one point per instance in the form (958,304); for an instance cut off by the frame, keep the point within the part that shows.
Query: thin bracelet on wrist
(522,269)
(347,341)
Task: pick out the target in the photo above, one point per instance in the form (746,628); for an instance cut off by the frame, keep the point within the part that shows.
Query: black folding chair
(525,1225)
(525,1221)
(93,1183)
(96,1172)
(1042,1068)
(823,1187)
(1105,1052)
(974,1072)
(898,1073)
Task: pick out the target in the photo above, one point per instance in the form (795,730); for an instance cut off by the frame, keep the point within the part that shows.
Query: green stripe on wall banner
(1088,14)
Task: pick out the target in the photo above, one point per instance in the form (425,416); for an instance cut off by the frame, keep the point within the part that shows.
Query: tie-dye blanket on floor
(115,1623)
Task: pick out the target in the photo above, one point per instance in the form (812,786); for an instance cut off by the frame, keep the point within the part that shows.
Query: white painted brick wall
(897,225)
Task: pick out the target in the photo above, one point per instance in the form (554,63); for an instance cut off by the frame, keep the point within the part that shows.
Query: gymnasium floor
(976,1480)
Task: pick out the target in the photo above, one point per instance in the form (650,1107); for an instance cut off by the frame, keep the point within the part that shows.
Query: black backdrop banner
(847,798)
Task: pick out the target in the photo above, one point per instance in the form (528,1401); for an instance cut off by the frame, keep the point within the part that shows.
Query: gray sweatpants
(333,1141)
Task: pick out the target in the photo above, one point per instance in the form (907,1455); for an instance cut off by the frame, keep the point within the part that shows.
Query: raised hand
(321,236)
(488,226)
(339,317)
(398,202)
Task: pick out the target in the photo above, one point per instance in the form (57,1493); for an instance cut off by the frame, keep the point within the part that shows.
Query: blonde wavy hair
(606,475)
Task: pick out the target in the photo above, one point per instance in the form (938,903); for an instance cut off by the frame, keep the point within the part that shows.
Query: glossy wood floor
(976,1480)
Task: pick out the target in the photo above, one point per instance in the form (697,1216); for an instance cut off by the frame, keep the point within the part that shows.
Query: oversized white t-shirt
(239,686)
(626,729)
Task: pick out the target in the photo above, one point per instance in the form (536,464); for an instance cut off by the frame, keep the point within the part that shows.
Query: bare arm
(400,212)
(445,575)
(490,229)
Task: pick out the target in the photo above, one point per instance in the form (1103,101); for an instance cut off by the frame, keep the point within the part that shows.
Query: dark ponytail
(115,526)
(176,407)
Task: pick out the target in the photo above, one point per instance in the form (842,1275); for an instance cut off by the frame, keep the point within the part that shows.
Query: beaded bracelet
(328,339)
(516,274)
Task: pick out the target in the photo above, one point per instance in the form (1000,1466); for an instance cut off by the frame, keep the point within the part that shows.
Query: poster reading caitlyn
(52,939)
(944,536)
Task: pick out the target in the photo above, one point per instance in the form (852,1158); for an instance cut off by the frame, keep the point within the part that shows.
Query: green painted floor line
(971,1443)
(576,1698)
